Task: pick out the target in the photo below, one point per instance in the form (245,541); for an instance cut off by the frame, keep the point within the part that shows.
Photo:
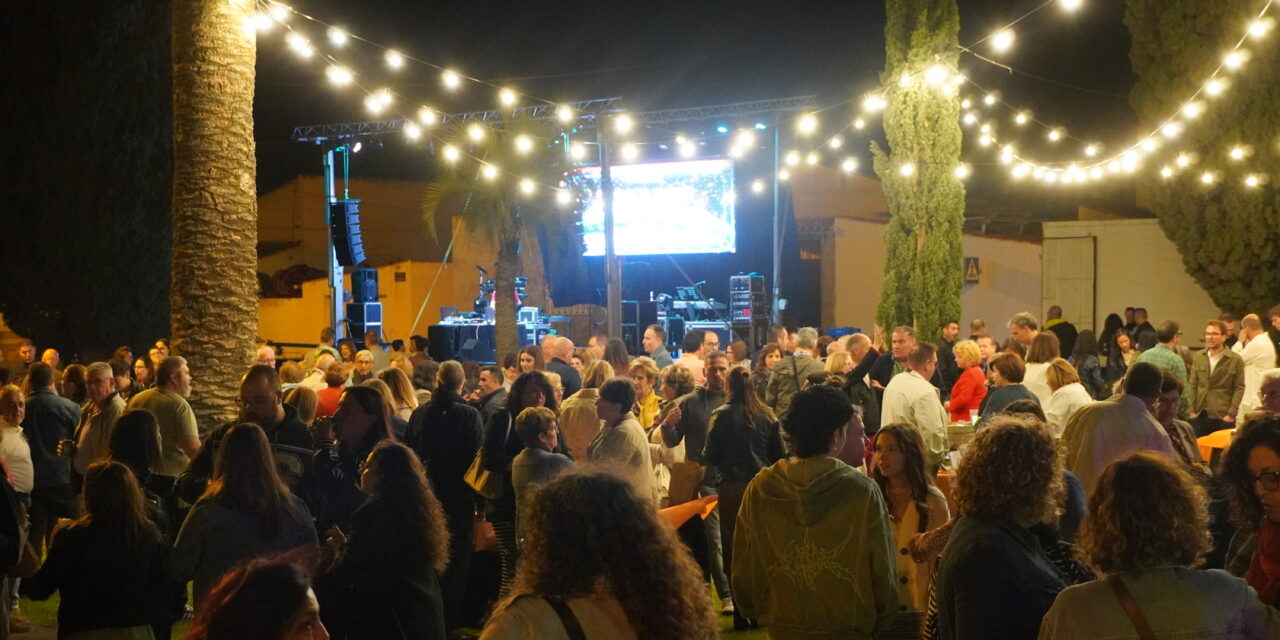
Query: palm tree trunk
(507,338)
(213,290)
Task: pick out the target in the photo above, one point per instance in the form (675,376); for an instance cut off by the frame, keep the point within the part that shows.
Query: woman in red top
(335,378)
(971,387)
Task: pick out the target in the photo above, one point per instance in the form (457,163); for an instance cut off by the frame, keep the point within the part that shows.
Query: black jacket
(446,433)
(569,377)
(290,444)
(739,450)
(882,372)
(382,586)
(491,404)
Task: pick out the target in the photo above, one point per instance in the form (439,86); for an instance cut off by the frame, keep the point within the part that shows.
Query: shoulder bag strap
(572,628)
(1131,608)
(795,372)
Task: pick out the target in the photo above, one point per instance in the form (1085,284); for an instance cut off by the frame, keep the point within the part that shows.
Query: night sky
(1071,69)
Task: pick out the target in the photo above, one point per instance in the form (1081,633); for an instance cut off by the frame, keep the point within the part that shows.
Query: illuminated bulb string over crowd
(1156,147)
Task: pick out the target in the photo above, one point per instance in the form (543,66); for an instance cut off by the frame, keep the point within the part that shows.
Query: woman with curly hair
(598,557)
(676,382)
(1251,478)
(1147,526)
(384,583)
(1006,483)
(916,507)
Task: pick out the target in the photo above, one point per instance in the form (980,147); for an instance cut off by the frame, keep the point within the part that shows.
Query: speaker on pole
(344,228)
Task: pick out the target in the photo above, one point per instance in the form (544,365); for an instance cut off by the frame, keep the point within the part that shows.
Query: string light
(565,114)
(450,153)
(1214,87)
(1091,150)
(784,175)
(337,37)
(907,169)
(745,138)
(1234,60)
(1192,110)
(427,116)
(989,99)
(1208,177)
(1002,40)
(1166,172)
(507,97)
(859,124)
(849,165)
(807,124)
(524,143)
(338,75)
(526,186)
(475,132)
(812,158)
(874,102)
(394,59)
(1054,135)
(450,79)
(1237,153)
(792,158)
(1252,180)
(577,151)
(688,149)
(412,131)
(1183,160)
(623,123)
(299,44)
(1261,27)
(835,142)
(563,196)
(1021,118)
(962,171)
(490,172)
(1070,5)
(279,12)
(757,186)
(630,152)
(373,104)
(936,74)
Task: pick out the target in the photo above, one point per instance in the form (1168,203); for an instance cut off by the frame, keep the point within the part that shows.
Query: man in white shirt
(911,398)
(1259,354)
(1100,433)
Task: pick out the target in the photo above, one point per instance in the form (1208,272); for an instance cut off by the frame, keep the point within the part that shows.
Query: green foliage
(86,232)
(497,209)
(924,255)
(1228,235)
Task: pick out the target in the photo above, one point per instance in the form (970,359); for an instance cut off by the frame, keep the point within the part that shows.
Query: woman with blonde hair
(1007,482)
(398,424)
(1147,527)
(403,398)
(644,376)
(838,363)
(1069,394)
(578,419)
(599,558)
(304,401)
(970,387)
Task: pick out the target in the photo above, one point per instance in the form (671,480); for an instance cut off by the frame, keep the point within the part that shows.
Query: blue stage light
(722,129)
(760,126)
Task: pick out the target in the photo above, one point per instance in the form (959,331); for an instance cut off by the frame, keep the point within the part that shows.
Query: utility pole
(613,277)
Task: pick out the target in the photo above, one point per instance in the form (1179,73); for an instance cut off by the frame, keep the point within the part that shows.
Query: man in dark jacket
(446,434)
(558,362)
(261,403)
(1065,331)
(489,396)
(947,370)
(50,419)
(890,364)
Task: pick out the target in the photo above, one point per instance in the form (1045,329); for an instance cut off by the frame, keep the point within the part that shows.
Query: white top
(1063,403)
(1103,432)
(912,399)
(694,365)
(1259,355)
(1036,381)
(16,454)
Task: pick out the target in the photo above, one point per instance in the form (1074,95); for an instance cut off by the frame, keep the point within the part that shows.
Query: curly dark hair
(1238,482)
(259,599)
(1011,470)
(402,488)
(1145,512)
(815,415)
(587,532)
(515,398)
(911,446)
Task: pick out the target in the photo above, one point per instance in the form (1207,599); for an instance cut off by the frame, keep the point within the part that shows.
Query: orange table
(1215,440)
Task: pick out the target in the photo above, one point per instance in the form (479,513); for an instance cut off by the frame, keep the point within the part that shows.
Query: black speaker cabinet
(364,285)
(344,228)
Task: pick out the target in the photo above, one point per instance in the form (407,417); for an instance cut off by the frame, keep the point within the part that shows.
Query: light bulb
(622,123)
(373,104)
(394,59)
(905,80)
(985,140)
(1237,153)
(526,186)
(630,151)
(836,142)
(340,76)
(859,124)
(577,151)
(565,113)
(907,169)
(427,116)
(1054,135)
(1183,160)
(507,97)
(337,36)
(962,171)
(792,158)
(688,149)
(450,153)
(936,74)
(1166,172)
(989,99)
(475,132)
(807,124)
(1252,180)
(970,118)
(745,138)
(1207,177)
(757,186)
(1261,27)
(1002,40)
(489,171)
(966,104)
(523,143)
(849,165)
(1091,150)
(812,158)
(1070,5)
(563,196)
(1214,87)
(874,102)
(1192,110)
(784,175)
(1171,130)
(279,12)
(450,79)
(1021,118)
(1234,60)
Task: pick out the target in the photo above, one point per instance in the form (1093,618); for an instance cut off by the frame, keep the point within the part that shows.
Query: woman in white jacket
(1068,394)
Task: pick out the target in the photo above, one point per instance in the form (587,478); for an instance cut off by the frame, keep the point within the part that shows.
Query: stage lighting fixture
(355,148)
(760,126)
(722,129)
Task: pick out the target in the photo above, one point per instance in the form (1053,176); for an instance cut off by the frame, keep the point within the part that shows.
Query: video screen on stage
(662,207)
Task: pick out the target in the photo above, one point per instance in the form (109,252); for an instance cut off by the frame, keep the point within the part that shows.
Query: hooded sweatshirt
(813,552)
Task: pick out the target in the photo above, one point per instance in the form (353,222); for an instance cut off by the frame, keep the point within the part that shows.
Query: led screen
(661,207)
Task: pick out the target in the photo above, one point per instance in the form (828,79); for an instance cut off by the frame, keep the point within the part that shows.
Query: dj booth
(464,337)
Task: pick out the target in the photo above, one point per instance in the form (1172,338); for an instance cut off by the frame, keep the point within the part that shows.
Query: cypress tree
(924,255)
(1228,234)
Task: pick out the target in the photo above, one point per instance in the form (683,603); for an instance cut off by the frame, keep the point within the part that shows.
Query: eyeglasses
(1269,480)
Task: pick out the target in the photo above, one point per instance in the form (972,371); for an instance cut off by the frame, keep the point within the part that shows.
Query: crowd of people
(842,485)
